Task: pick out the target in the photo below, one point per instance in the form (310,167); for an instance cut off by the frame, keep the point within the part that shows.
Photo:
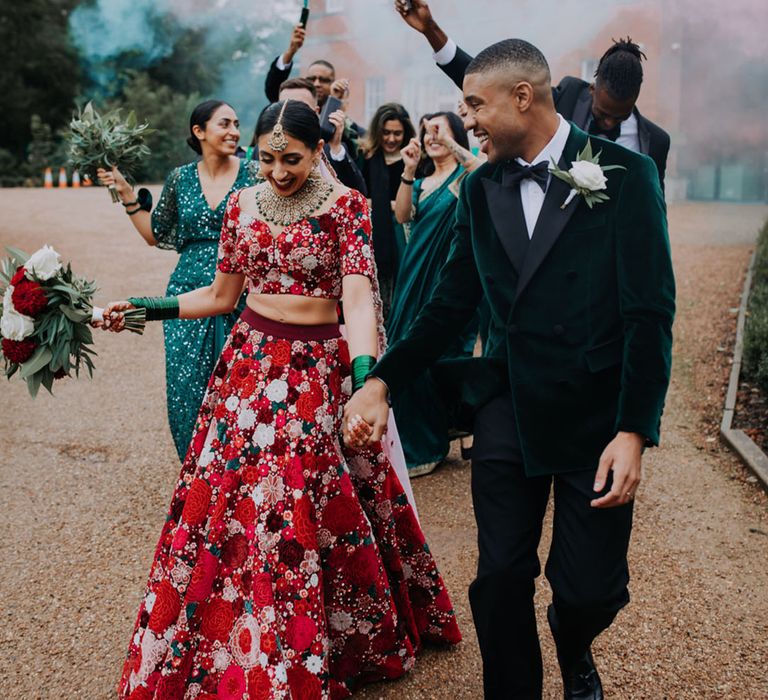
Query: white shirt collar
(554,149)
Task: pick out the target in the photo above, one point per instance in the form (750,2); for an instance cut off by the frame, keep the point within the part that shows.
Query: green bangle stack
(361,368)
(157,308)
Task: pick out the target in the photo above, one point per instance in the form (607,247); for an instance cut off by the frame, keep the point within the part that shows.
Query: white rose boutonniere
(586,177)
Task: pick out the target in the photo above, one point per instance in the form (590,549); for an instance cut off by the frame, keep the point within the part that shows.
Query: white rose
(264,435)
(246,419)
(15,326)
(45,263)
(588,176)
(277,390)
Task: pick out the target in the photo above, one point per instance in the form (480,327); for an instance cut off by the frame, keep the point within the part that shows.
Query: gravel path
(86,479)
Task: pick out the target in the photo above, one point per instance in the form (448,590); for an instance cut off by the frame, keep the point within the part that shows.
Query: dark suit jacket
(574,101)
(581,315)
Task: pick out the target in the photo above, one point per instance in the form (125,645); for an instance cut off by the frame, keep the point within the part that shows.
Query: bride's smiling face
(287,170)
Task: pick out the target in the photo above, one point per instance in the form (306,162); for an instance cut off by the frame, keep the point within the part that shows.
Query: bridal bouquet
(105,140)
(46,312)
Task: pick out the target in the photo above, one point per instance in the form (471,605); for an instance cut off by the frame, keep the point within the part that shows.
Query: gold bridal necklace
(282,211)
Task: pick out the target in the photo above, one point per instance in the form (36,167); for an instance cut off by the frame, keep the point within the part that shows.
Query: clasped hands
(365,415)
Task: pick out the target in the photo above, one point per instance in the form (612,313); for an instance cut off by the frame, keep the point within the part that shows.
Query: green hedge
(756,330)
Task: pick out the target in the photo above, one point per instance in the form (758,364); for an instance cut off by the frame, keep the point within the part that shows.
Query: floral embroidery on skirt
(286,568)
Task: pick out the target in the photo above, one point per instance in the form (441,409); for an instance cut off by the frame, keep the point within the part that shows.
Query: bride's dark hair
(299,121)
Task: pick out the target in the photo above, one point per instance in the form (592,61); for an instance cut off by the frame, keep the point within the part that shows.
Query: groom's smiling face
(494,113)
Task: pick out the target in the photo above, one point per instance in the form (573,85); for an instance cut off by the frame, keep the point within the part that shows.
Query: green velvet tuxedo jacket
(581,327)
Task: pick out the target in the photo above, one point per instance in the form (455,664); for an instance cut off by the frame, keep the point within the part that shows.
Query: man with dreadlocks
(604,108)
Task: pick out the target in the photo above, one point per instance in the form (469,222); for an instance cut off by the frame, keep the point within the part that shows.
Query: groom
(572,384)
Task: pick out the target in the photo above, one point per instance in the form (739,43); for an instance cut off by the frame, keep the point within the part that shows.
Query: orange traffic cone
(75,179)
(87,182)
(48,179)
(62,177)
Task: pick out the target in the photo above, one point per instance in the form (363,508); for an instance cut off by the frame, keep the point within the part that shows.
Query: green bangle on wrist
(157,308)
(361,368)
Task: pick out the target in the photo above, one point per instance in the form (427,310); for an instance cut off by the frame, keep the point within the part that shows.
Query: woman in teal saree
(428,205)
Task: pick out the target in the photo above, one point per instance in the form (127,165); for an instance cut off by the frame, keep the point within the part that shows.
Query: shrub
(756,329)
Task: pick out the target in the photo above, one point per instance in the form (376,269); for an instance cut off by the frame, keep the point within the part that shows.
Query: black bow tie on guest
(517,172)
(611,134)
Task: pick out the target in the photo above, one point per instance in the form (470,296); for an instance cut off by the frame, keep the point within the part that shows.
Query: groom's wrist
(379,386)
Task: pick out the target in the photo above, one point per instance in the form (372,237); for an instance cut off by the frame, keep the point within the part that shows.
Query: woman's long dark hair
(427,166)
(200,116)
(299,121)
(387,112)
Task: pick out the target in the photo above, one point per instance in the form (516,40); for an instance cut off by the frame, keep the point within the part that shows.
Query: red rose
(18,351)
(262,590)
(235,551)
(203,574)
(240,372)
(341,515)
(166,609)
(355,203)
(170,687)
(303,684)
(306,408)
(326,223)
(232,684)
(248,386)
(245,511)
(304,525)
(300,632)
(29,298)
(264,239)
(197,502)
(291,553)
(218,619)
(259,685)
(281,352)
(18,277)
(362,567)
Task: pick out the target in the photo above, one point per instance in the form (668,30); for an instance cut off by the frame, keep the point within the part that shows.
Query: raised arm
(280,68)
(404,202)
(451,59)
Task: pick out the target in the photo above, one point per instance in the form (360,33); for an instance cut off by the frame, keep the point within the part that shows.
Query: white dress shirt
(530,191)
(446,54)
(628,135)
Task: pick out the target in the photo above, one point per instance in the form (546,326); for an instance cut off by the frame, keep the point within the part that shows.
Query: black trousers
(586,567)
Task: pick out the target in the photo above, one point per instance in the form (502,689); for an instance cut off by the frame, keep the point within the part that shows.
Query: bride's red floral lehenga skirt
(287,568)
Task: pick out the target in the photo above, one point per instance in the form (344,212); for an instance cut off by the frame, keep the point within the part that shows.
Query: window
(374,96)
(334,6)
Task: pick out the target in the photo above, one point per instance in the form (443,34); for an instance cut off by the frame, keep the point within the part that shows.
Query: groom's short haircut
(519,58)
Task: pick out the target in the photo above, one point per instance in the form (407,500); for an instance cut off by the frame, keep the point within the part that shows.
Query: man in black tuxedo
(604,108)
(572,383)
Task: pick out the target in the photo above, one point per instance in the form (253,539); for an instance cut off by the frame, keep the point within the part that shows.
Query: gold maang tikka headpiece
(277,141)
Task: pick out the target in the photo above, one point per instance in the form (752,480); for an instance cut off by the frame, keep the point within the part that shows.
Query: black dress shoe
(580,678)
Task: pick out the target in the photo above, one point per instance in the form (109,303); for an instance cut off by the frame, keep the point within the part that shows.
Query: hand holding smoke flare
(47,311)
(106,141)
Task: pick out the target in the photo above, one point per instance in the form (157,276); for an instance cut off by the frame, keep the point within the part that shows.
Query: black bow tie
(539,173)
(611,134)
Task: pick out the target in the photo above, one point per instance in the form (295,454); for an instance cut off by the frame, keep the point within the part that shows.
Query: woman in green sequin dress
(188,219)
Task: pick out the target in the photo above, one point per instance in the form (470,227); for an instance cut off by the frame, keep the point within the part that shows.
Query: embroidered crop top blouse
(308,257)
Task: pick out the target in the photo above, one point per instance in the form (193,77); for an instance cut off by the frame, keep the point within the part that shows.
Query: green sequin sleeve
(165,217)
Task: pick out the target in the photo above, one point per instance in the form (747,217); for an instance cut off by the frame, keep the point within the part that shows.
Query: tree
(40,69)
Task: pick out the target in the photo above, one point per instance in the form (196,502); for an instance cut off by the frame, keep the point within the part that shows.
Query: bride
(288,565)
